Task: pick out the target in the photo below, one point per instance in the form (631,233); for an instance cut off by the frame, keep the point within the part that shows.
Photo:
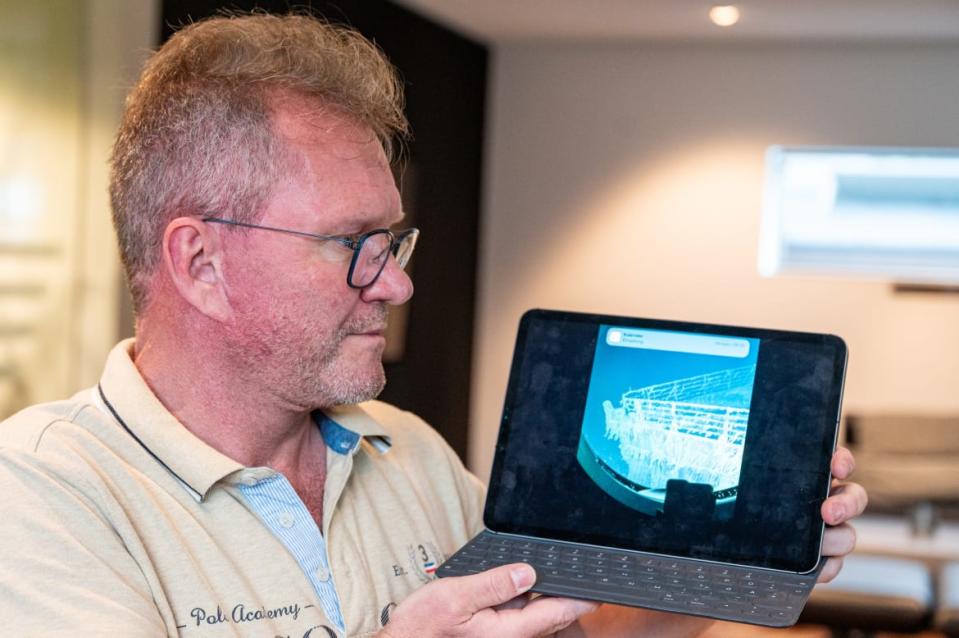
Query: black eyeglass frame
(353,242)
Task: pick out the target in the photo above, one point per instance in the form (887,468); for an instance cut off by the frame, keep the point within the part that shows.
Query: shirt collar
(197,466)
(133,404)
(356,419)
(343,440)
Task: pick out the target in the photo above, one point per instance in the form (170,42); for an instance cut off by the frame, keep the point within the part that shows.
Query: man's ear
(193,256)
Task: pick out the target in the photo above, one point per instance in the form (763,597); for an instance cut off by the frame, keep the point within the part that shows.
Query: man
(229,475)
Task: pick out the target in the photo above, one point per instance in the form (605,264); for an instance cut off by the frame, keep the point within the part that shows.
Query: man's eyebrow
(388,222)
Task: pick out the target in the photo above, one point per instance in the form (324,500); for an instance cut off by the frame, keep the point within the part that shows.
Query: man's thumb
(498,586)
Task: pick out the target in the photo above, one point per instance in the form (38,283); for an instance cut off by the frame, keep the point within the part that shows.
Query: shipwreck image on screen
(666,418)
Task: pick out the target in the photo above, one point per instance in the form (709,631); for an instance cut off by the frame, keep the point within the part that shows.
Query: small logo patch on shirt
(424,560)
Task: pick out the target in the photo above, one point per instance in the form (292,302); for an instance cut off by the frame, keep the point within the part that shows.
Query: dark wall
(445,77)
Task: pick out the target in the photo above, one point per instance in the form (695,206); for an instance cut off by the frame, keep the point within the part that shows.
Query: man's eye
(334,250)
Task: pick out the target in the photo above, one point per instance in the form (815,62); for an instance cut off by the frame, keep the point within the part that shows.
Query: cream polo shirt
(132,526)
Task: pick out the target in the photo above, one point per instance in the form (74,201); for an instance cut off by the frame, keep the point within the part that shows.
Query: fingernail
(523,578)
(838,512)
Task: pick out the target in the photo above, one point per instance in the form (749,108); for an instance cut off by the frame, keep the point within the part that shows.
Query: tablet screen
(683,439)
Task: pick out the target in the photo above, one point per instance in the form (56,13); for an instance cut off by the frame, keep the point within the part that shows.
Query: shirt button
(249,481)
(285,519)
(322,573)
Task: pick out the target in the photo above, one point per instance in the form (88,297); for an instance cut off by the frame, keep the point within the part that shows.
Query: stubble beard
(335,386)
(319,375)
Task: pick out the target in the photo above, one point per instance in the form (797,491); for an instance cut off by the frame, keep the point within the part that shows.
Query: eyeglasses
(371,250)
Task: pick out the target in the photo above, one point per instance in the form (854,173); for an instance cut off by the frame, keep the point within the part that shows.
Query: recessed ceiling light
(724,15)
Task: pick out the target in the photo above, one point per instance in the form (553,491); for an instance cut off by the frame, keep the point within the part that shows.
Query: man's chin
(354,375)
(356,387)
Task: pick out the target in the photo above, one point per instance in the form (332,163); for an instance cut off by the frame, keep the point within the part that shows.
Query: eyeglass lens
(374,252)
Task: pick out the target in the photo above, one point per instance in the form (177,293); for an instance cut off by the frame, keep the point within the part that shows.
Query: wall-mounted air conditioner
(889,213)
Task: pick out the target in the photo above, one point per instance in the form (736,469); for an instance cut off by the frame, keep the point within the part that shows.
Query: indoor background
(610,159)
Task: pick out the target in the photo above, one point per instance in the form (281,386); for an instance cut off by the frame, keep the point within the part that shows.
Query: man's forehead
(337,165)
(317,125)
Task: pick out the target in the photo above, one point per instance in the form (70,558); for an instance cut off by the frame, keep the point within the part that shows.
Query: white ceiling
(511,20)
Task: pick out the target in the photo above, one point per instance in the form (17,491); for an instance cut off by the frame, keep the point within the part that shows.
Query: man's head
(197,134)
(278,122)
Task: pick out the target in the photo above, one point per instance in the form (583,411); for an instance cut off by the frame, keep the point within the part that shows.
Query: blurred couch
(906,462)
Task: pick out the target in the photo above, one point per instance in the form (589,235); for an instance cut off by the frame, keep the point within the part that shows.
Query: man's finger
(847,501)
(838,541)
(843,464)
(546,615)
(830,570)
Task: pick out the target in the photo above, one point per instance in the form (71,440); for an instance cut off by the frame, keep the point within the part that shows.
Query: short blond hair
(197,135)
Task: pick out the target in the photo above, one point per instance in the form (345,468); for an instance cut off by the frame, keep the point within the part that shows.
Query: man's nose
(393,286)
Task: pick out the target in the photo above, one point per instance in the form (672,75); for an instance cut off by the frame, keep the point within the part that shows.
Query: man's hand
(846,501)
(486,605)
